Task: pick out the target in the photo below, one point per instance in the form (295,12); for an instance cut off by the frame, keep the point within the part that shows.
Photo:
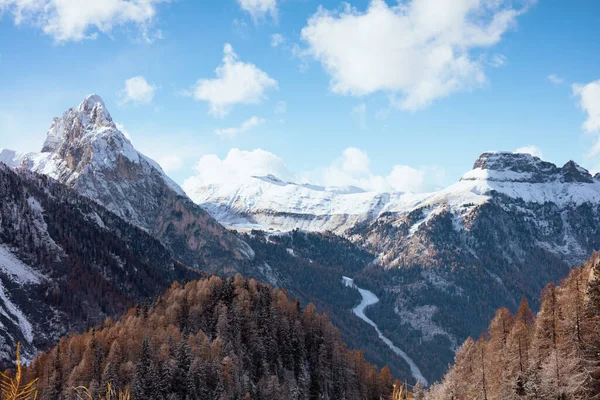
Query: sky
(385,95)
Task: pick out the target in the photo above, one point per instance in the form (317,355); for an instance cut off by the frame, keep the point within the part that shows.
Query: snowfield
(271,204)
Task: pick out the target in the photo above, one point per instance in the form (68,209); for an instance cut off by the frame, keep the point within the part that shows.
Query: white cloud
(420,50)
(531,149)
(555,79)
(281,107)
(258,9)
(236,83)
(352,168)
(237,166)
(137,91)
(277,40)
(359,113)
(589,101)
(75,20)
(244,127)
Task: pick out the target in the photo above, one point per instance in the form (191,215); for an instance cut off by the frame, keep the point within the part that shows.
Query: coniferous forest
(215,338)
(554,354)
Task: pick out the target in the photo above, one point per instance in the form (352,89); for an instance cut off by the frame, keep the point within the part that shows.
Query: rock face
(67,263)
(85,151)
(445,261)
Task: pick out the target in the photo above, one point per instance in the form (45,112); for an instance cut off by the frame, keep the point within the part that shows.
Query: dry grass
(83,393)
(12,388)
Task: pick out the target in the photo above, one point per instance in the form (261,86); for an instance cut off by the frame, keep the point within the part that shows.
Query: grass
(83,393)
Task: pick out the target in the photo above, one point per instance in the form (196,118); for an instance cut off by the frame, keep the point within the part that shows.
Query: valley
(369,299)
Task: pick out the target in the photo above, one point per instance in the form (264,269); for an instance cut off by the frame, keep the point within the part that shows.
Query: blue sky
(385,95)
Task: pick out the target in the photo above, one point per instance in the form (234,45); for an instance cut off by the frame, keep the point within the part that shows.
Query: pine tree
(56,379)
(141,383)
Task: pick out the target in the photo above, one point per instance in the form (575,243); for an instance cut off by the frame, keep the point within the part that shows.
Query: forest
(552,355)
(214,338)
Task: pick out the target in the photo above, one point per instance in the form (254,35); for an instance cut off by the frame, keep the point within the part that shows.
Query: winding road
(368,299)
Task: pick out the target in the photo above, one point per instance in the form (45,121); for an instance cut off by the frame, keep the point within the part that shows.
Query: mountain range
(443,261)
(440,263)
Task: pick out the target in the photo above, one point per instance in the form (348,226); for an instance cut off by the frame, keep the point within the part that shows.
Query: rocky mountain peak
(516,162)
(572,172)
(86,151)
(517,167)
(88,135)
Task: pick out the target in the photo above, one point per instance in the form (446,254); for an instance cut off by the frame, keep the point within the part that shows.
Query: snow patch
(13,313)
(18,270)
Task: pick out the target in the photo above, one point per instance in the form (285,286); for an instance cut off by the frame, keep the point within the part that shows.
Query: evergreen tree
(141,381)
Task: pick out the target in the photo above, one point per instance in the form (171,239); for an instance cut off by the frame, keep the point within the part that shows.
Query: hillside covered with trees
(552,355)
(214,338)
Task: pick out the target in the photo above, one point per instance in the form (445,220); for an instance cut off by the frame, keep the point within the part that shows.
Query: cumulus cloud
(277,40)
(237,166)
(555,79)
(137,91)
(352,168)
(75,20)
(236,83)
(417,51)
(258,9)
(589,100)
(245,126)
(531,149)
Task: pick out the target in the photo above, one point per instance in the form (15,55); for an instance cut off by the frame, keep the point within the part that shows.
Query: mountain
(86,151)
(271,204)
(551,355)
(67,263)
(445,261)
(213,339)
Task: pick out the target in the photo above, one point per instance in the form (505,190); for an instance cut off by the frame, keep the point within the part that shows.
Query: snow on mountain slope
(269,203)
(85,150)
(67,263)
(445,260)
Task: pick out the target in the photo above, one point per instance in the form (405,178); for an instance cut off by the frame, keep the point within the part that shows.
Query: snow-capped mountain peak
(273,204)
(524,168)
(88,134)
(86,151)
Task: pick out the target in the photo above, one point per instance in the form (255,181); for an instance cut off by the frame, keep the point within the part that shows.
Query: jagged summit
(526,168)
(517,162)
(572,172)
(87,134)
(86,151)
(90,101)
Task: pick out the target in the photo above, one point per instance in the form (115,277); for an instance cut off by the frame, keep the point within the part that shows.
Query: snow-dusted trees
(555,355)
